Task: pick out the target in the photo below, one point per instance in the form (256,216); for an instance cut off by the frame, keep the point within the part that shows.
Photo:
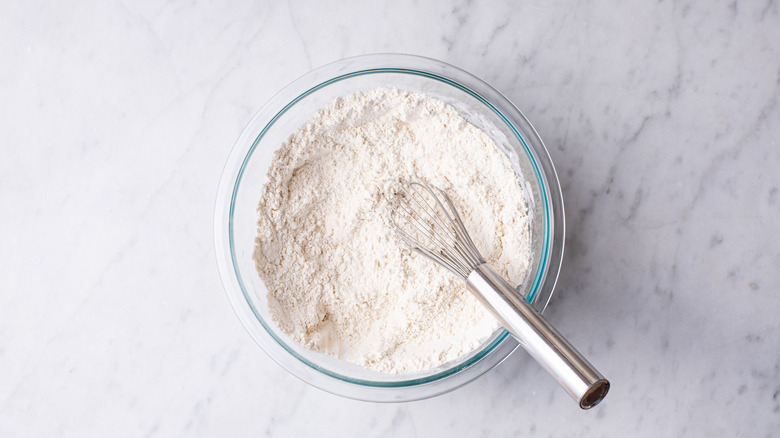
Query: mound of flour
(339,280)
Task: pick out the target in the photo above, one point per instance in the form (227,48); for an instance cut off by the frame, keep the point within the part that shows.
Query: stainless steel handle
(542,341)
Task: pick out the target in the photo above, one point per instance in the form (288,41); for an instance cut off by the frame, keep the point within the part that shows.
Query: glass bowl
(235,218)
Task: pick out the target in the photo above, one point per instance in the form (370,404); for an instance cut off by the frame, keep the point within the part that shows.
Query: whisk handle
(572,371)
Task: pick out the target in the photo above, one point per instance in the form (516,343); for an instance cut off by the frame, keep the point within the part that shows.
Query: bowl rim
(276,107)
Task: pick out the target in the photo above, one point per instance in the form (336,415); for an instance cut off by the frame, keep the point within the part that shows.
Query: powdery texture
(339,280)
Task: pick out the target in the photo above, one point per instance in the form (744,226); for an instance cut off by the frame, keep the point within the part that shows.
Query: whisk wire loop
(449,224)
(422,212)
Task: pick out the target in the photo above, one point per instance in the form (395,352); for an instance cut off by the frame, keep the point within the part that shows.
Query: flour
(339,280)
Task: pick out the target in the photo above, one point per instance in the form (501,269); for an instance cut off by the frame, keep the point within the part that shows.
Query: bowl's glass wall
(245,175)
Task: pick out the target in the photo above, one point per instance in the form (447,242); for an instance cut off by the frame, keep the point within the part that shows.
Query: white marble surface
(662,119)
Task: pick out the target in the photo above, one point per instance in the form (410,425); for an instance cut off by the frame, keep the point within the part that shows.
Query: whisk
(426,219)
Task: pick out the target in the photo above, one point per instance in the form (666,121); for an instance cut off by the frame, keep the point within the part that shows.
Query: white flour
(340,281)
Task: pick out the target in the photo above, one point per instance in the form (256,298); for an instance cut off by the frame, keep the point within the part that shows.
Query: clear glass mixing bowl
(245,173)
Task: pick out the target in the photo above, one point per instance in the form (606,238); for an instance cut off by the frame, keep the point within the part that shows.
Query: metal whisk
(426,219)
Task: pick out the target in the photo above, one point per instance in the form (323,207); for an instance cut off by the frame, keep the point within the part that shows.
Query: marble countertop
(662,119)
